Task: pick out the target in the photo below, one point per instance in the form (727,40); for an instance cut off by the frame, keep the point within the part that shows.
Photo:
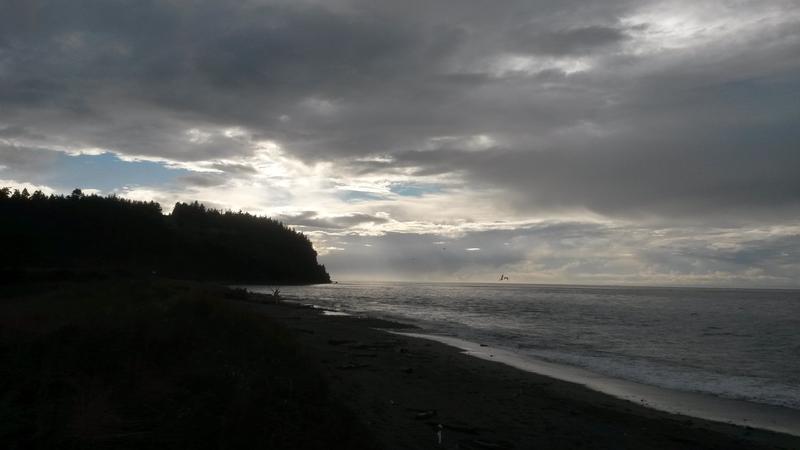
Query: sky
(554,141)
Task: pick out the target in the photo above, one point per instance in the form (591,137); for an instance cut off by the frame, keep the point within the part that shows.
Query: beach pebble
(425,414)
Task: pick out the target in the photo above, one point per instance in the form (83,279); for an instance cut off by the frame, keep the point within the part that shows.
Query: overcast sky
(603,142)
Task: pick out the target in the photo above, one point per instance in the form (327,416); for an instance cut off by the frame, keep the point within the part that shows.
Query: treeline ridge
(112,234)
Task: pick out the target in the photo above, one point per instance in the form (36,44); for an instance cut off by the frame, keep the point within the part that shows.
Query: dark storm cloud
(203,179)
(244,63)
(25,162)
(582,123)
(234,168)
(569,41)
(15,131)
(311,219)
(770,257)
(730,151)
(213,63)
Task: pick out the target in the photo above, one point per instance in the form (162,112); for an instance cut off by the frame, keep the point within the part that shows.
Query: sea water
(738,344)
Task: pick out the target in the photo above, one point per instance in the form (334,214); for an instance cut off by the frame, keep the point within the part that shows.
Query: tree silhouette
(113,235)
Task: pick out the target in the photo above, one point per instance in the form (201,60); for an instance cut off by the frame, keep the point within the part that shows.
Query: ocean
(737,344)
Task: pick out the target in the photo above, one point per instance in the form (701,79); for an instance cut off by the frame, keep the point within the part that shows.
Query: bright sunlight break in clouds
(553,141)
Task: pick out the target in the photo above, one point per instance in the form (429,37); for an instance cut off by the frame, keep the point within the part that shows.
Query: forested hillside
(110,234)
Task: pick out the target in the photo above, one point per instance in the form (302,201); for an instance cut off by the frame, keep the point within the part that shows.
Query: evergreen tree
(112,234)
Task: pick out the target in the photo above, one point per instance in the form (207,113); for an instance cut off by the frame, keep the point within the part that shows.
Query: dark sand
(404,388)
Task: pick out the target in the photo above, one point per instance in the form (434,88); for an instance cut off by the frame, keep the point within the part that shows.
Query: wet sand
(407,390)
(704,406)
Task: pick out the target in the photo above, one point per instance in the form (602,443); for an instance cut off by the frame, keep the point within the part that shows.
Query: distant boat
(503,277)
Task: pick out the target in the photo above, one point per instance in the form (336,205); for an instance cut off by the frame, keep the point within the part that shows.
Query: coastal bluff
(93,234)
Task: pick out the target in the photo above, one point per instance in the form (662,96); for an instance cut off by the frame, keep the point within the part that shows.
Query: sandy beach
(412,392)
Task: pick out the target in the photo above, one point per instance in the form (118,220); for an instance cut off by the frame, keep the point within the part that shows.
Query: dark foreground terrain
(156,364)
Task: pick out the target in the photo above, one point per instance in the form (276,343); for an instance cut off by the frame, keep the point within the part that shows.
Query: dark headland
(89,234)
(111,350)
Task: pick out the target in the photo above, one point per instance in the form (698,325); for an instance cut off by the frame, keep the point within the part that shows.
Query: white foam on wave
(704,343)
(737,412)
(736,387)
(334,313)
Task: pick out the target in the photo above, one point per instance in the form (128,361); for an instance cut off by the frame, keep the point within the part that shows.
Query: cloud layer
(401,124)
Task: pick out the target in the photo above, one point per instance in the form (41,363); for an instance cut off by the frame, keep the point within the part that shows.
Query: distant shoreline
(580,285)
